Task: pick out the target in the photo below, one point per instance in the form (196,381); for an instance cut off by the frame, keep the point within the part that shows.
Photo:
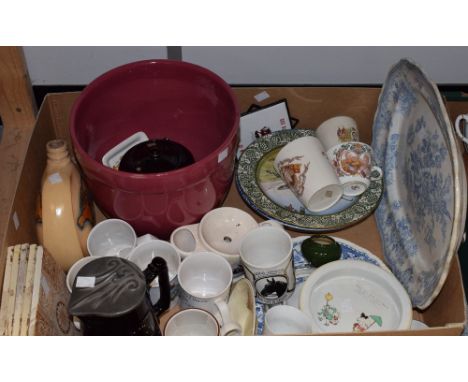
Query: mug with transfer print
(337,130)
(267,258)
(304,167)
(354,166)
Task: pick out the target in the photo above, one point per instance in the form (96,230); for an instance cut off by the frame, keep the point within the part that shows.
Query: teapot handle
(158,268)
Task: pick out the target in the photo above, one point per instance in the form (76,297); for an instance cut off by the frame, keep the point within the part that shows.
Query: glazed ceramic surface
(422,214)
(354,296)
(349,251)
(163,99)
(265,192)
(304,167)
(337,130)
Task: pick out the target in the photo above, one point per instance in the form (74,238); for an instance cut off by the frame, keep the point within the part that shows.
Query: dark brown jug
(115,299)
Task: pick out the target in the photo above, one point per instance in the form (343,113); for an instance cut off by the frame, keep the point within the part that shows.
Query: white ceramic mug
(111,237)
(205,280)
(458,127)
(142,256)
(354,166)
(304,167)
(286,320)
(220,231)
(337,130)
(266,255)
(75,268)
(192,322)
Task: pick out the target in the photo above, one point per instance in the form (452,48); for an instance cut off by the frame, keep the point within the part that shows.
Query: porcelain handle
(378,170)
(457,126)
(228,327)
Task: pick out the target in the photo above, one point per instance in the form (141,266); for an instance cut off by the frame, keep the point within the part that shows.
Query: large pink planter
(165,99)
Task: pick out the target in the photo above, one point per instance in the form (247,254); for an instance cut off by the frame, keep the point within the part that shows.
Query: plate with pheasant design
(423,209)
(261,187)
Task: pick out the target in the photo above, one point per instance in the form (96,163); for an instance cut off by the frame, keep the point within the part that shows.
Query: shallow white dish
(422,214)
(354,296)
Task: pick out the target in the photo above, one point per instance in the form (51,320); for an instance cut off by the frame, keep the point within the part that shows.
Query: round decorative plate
(265,192)
(349,251)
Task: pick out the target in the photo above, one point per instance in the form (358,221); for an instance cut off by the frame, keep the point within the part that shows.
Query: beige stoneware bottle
(64,212)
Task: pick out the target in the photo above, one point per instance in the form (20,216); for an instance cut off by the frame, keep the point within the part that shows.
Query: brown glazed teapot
(110,297)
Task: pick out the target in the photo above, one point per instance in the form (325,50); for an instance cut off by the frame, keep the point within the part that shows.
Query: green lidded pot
(320,249)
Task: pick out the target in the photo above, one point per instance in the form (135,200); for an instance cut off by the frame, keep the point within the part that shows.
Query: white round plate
(355,296)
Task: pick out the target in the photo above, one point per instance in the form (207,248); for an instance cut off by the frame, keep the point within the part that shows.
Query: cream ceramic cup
(354,166)
(205,280)
(143,254)
(220,231)
(111,237)
(286,320)
(192,322)
(266,255)
(304,167)
(337,130)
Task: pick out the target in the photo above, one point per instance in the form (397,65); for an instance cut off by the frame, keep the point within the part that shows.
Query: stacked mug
(322,169)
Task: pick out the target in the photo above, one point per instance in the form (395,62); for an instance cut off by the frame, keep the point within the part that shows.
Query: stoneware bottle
(64,213)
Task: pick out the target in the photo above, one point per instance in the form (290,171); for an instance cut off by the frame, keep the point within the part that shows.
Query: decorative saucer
(265,192)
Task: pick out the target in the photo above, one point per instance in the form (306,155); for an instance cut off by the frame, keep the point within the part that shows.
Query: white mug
(354,166)
(461,117)
(304,167)
(285,319)
(192,322)
(111,237)
(220,231)
(142,256)
(205,280)
(337,130)
(266,255)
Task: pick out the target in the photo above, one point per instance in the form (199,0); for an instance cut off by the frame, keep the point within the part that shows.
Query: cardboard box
(311,105)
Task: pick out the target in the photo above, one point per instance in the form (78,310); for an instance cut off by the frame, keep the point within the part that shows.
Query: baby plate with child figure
(265,192)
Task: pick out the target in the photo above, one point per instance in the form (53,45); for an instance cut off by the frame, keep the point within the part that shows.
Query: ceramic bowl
(164,99)
(75,268)
(355,296)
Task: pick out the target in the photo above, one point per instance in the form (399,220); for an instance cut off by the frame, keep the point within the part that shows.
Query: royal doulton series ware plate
(264,191)
(422,213)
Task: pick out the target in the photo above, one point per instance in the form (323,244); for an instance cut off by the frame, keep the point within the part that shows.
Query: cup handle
(271,223)
(458,128)
(228,327)
(378,170)
(186,240)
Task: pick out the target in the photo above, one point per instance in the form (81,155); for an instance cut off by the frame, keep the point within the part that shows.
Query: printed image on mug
(354,166)
(304,167)
(266,255)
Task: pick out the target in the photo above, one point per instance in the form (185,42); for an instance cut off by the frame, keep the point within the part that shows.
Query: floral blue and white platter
(422,213)
(264,191)
(349,251)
